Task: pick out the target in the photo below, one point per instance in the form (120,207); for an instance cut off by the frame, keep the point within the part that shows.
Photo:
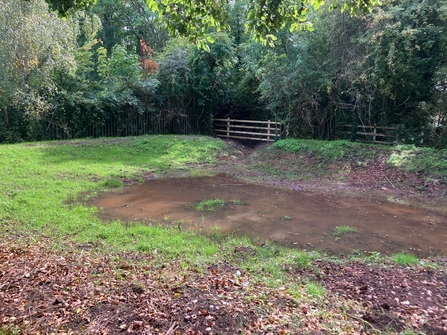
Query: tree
(265,18)
(194,82)
(126,22)
(305,81)
(64,7)
(124,89)
(34,44)
(405,52)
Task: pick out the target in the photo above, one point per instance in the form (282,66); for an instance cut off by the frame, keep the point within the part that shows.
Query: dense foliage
(112,70)
(194,18)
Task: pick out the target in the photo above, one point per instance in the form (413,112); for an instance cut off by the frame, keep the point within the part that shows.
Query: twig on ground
(389,181)
(172,329)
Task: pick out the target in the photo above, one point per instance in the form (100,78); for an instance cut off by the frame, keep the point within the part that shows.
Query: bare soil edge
(377,178)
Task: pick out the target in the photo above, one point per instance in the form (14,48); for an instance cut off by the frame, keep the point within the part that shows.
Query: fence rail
(370,134)
(266,131)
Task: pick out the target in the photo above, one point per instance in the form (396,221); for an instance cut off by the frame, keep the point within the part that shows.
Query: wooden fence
(247,129)
(370,134)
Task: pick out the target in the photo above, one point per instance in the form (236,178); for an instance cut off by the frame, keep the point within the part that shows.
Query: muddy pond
(333,223)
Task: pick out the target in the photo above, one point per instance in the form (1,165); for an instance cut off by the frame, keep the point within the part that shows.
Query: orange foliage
(148,65)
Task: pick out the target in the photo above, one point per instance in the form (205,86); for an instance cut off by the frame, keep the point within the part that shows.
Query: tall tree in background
(194,82)
(125,22)
(406,45)
(34,44)
(306,81)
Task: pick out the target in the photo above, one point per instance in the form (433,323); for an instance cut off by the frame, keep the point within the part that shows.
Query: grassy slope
(429,161)
(43,184)
(412,171)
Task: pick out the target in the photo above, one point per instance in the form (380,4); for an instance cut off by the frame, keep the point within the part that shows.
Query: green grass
(403,258)
(111,183)
(342,230)
(310,289)
(306,159)
(209,205)
(428,160)
(46,184)
(314,290)
(329,150)
(270,264)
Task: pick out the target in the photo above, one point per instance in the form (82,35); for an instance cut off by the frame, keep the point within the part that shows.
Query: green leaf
(153,5)
(293,27)
(316,4)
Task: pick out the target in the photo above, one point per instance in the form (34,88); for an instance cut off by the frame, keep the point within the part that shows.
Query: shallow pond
(294,218)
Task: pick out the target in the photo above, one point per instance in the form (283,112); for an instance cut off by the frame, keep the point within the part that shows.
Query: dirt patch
(380,176)
(392,297)
(92,293)
(145,176)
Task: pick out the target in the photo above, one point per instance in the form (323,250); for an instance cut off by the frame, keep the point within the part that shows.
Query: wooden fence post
(375,131)
(268,131)
(276,130)
(228,128)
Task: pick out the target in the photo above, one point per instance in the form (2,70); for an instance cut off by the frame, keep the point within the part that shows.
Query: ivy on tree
(195,18)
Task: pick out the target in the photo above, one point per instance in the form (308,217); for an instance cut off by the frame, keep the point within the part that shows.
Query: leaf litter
(85,290)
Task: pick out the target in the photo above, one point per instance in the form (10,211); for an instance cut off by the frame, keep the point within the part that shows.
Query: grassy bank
(408,169)
(45,186)
(431,162)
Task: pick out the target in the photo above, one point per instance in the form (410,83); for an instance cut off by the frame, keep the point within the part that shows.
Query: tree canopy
(265,18)
(113,70)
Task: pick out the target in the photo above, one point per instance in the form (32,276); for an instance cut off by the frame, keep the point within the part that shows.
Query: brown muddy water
(294,218)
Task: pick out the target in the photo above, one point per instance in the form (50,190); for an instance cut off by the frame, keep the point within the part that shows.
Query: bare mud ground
(84,291)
